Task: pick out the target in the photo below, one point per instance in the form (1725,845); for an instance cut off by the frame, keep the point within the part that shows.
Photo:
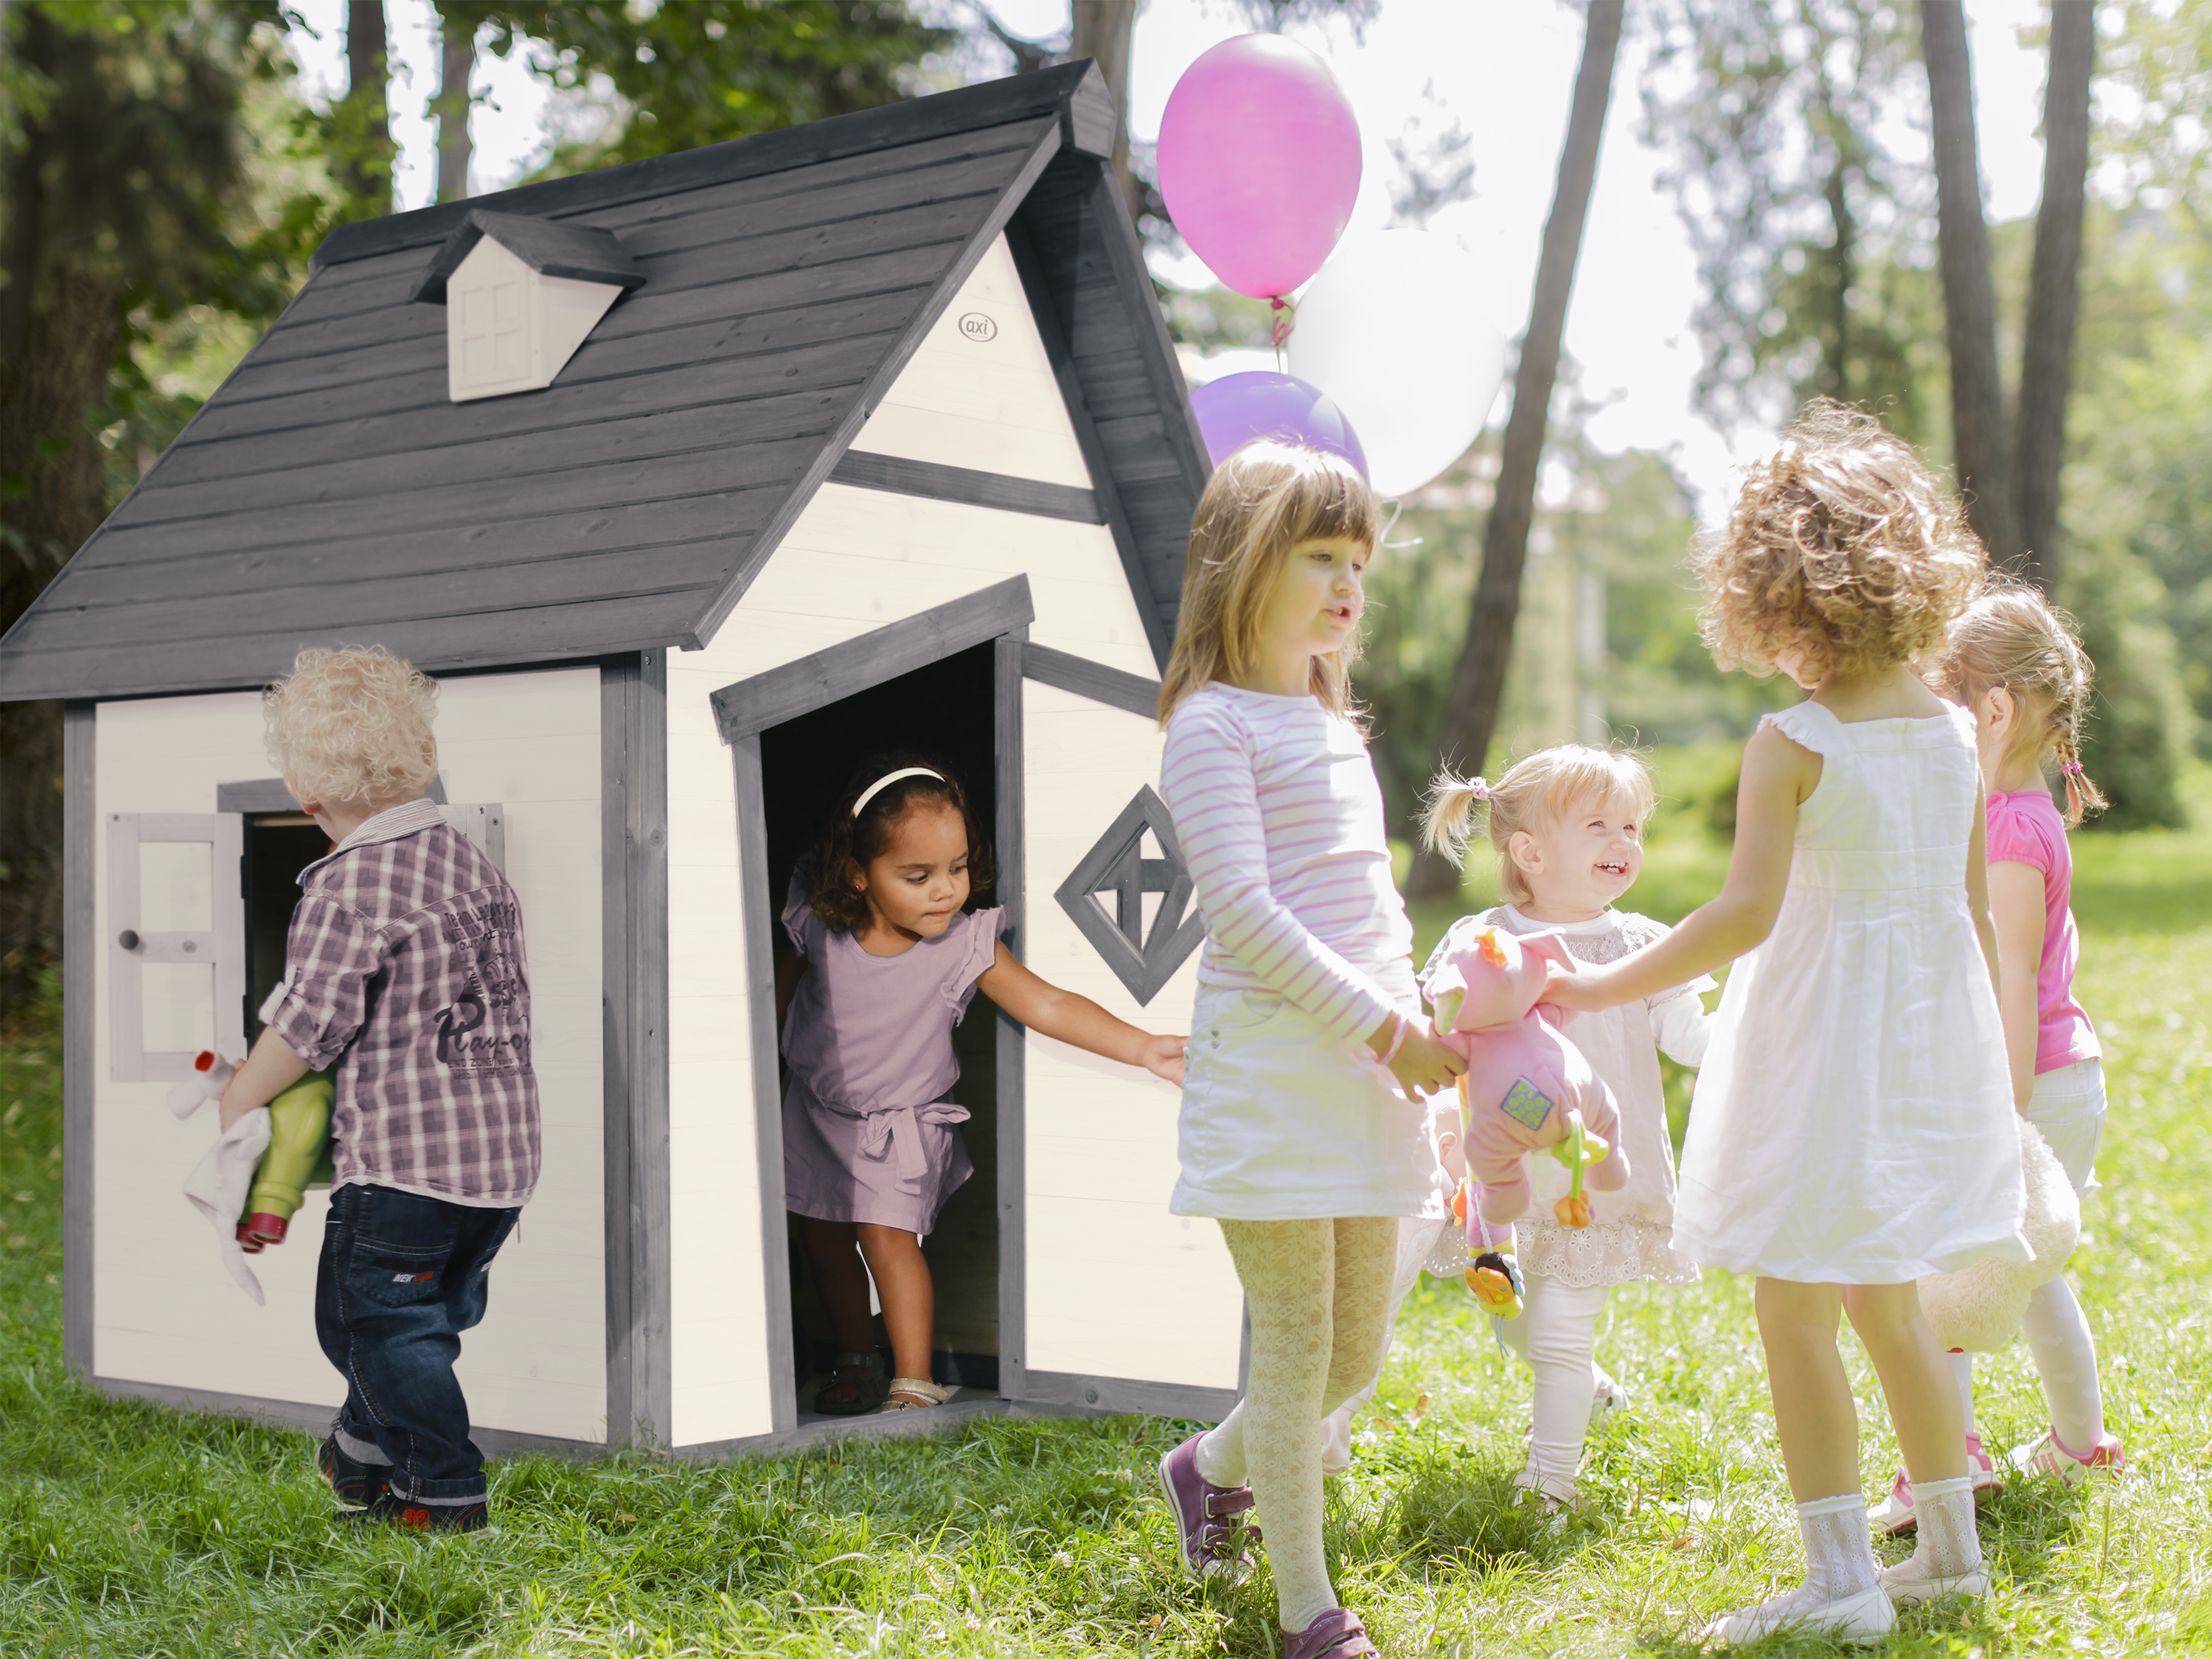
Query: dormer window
(521,294)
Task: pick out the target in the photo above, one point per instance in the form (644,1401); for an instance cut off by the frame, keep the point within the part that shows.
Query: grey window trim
(1011,837)
(259,795)
(633,945)
(221,948)
(1142,960)
(80,1058)
(751,705)
(1111,686)
(865,469)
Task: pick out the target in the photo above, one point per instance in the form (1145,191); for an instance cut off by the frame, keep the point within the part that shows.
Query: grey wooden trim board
(1117,1395)
(751,705)
(316,1419)
(879,382)
(1013,1041)
(758,913)
(633,945)
(1106,493)
(1076,91)
(259,795)
(864,470)
(1086,678)
(939,1420)
(80,1061)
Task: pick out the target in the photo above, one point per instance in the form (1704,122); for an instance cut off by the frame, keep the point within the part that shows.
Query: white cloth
(1853,1121)
(217,1187)
(2067,1105)
(1628,1237)
(1280,819)
(1282,1120)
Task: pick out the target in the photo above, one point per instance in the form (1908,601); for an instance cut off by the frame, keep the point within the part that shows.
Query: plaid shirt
(404,965)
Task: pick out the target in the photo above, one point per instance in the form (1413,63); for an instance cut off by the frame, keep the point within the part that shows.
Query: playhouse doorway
(945,709)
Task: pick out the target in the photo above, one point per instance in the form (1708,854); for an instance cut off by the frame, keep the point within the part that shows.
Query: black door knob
(127,939)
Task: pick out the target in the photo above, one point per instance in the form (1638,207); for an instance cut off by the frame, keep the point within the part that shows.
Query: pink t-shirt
(2025,828)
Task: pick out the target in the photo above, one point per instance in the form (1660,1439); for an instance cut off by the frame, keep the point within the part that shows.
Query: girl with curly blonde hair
(1852,1130)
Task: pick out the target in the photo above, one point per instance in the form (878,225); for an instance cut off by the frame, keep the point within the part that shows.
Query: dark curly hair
(848,844)
(1843,544)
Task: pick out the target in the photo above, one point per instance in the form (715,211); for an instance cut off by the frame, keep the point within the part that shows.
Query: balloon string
(1286,318)
(1397,506)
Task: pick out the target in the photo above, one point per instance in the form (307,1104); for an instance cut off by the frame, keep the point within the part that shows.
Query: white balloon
(1397,328)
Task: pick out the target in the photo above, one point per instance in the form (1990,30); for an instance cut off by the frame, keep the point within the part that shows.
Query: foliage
(127,1528)
(2160,62)
(691,72)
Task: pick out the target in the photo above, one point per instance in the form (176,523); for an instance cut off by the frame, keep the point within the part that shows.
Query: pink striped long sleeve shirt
(1280,818)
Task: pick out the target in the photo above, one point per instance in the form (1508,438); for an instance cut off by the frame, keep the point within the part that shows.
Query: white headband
(890,778)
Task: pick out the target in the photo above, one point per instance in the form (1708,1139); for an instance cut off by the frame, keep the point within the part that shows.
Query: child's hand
(1580,986)
(1425,1063)
(1163,1057)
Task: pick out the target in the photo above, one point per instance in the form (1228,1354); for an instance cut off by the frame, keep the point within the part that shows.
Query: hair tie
(1478,788)
(890,778)
(2073,768)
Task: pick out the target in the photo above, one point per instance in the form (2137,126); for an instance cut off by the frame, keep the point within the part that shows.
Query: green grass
(130,1529)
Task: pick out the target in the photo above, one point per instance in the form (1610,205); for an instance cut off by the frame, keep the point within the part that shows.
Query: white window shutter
(176,949)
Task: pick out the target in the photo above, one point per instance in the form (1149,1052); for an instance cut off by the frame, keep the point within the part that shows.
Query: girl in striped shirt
(1302,1130)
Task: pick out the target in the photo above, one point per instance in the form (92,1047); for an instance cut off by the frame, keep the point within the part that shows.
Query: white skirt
(1284,1121)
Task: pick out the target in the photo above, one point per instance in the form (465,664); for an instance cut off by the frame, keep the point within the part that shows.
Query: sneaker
(1605,1399)
(1336,1634)
(1895,1519)
(1213,1538)
(1861,1618)
(2050,1455)
(355,1484)
(385,1510)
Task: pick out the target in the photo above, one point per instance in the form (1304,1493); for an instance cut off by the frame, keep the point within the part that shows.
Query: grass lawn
(128,1529)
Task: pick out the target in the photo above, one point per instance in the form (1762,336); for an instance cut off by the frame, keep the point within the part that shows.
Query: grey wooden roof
(328,491)
(557,247)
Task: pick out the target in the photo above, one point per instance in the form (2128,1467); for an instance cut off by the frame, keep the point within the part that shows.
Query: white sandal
(920,1387)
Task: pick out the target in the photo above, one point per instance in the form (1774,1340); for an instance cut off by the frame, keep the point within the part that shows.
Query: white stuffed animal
(1979,1306)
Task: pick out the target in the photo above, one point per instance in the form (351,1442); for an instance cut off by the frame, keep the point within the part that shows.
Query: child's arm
(1077,1019)
(270,1069)
(2016,912)
(1777,775)
(1977,887)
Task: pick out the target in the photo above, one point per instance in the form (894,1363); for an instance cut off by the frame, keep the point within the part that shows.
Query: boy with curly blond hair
(404,971)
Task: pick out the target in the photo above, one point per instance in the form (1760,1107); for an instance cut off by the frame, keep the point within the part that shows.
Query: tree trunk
(1104,29)
(363,135)
(457,61)
(2054,286)
(1978,421)
(1844,254)
(1479,681)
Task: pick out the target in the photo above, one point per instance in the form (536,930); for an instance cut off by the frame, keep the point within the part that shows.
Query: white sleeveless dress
(1852,1123)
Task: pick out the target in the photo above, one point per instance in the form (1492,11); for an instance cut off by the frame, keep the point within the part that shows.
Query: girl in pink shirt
(2014,662)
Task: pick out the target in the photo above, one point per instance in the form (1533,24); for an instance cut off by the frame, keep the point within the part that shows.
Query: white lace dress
(1853,1121)
(1628,1237)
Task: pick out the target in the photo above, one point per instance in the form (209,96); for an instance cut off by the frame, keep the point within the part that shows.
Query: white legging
(1557,1336)
(2065,1358)
(1318,1293)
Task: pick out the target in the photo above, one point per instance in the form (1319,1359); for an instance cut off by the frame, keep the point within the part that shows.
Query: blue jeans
(401,1278)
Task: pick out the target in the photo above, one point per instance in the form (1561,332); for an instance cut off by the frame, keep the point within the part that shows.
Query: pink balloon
(1259,161)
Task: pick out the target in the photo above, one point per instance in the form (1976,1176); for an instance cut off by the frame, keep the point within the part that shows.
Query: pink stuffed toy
(1527,1088)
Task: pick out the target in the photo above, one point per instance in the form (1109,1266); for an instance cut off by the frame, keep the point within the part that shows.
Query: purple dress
(869,1133)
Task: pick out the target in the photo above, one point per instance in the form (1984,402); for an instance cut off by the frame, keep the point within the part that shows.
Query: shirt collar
(393,823)
(1604,921)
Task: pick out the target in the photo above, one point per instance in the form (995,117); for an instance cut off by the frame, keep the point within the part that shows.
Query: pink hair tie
(1478,788)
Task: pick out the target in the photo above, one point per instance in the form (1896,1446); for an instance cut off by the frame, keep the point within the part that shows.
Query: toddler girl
(1302,1128)
(888,957)
(1851,1131)
(2014,661)
(1568,826)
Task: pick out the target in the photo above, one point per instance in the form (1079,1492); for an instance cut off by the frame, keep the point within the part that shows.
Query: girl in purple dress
(888,957)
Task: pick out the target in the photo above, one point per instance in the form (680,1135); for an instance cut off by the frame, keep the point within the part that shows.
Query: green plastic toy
(298,1158)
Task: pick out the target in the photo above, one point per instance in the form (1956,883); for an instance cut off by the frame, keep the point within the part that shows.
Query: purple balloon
(1259,159)
(1235,409)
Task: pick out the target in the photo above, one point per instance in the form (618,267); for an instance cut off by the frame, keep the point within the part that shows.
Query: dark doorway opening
(946,710)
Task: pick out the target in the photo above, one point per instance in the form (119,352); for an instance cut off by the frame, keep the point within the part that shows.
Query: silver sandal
(920,1386)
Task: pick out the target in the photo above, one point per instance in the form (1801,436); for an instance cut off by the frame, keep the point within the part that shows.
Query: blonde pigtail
(1448,814)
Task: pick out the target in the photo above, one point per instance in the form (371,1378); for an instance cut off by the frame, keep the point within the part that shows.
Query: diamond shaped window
(1143,958)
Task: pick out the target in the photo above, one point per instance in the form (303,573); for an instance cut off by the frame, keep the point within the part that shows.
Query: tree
(1471,711)
(1980,444)
(123,173)
(457,59)
(361,151)
(2054,288)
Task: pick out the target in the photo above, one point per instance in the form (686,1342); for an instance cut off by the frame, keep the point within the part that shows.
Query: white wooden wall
(857,560)
(164,1311)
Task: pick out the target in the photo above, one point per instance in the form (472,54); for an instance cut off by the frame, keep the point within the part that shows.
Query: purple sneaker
(1213,1539)
(1337,1634)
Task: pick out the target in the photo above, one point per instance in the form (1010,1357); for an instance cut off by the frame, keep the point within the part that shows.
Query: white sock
(1838,1549)
(2066,1359)
(1948,1548)
(1220,1455)
(1962,1367)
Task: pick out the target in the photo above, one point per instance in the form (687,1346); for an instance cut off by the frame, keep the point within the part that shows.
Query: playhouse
(692,480)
